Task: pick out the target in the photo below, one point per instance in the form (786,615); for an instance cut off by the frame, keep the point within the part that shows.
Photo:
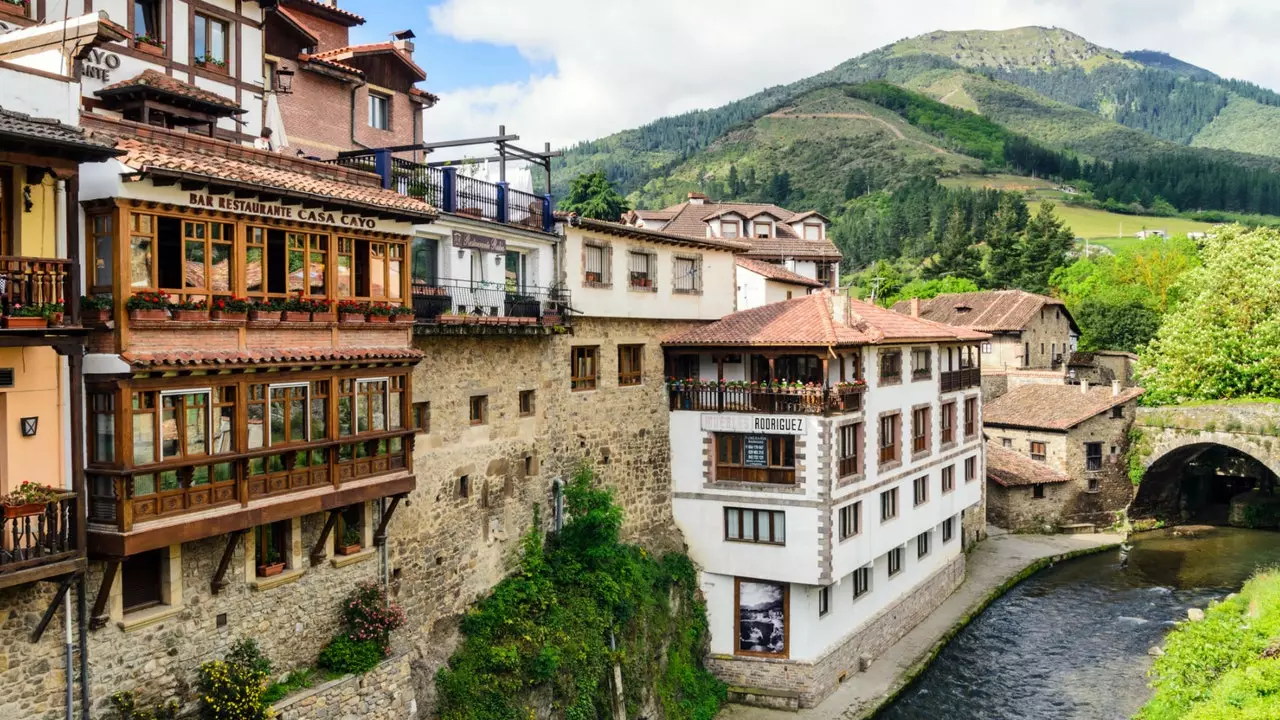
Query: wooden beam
(219,578)
(99,616)
(243,193)
(268,197)
(219,190)
(317,551)
(191,185)
(53,607)
(290,201)
(163,181)
(312,204)
(380,535)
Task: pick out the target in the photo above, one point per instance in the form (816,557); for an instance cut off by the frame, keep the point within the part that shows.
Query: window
(422,416)
(948,529)
(763,229)
(379,115)
(643,272)
(850,439)
(889,429)
(272,546)
(350,528)
(861,581)
(948,421)
(921,490)
(101,242)
(920,364)
(1117,412)
(146,19)
(970,469)
(1037,451)
(970,417)
(178,420)
(824,600)
(850,520)
(211,47)
(1095,484)
(1037,491)
(1092,456)
(464,486)
(824,274)
(188,259)
(757,526)
(922,544)
(986,348)
(948,478)
(687,277)
(755,458)
(895,561)
(729,228)
(585,368)
(889,504)
(595,263)
(1006,442)
(890,366)
(142,579)
(362,406)
(812,231)
(1042,348)
(630,364)
(102,418)
(289,413)
(526,403)
(479,413)
(920,430)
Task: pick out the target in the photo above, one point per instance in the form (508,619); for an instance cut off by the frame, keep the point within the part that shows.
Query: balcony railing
(713,397)
(28,281)
(446,190)
(465,302)
(48,536)
(961,379)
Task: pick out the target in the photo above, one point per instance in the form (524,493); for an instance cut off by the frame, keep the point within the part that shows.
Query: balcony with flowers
(778,397)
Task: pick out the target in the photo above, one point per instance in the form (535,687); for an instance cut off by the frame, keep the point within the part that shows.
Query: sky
(564,71)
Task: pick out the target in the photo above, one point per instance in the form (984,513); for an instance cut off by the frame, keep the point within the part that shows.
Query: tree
(1004,265)
(1044,249)
(779,189)
(928,289)
(1119,317)
(957,257)
(1222,340)
(593,196)
(734,183)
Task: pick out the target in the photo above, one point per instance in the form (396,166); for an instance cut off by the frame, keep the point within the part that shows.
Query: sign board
(479,242)
(98,64)
(756,450)
(283,212)
(765,424)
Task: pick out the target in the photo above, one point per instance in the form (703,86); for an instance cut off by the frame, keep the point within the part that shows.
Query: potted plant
(53,312)
(95,309)
(148,306)
(352,311)
(418,189)
(350,543)
(25,316)
(230,309)
(297,309)
(210,63)
(190,311)
(379,312)
(401,313)
(14,7)
(322,311)
(266,309)
(28,499)
(274,564)
(450,318)
(149,44)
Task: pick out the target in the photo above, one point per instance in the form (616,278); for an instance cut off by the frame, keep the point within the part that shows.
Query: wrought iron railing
(779,401)
(467,302)
(961,379)
(46,535)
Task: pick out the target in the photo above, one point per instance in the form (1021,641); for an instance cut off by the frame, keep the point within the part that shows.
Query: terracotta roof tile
(689,219)
(621,230)
(305,58)
(352,51)
(988,310)
(23,129)
(330,9)
(1052,406)
(1009,468)
(188,358)
(776,272)
(818,319)
(158,82)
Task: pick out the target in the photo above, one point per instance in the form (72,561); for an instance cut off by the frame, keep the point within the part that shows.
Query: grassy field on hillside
(1099,224)
(1001,181)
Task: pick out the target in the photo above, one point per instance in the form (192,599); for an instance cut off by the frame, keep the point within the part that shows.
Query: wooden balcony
(713,397)
(961,379)
(145,508)
(34,547)
(26,281)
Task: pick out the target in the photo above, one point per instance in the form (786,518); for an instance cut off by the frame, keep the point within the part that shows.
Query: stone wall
(1018,509)
(384,693)
(795,684)
(32,680)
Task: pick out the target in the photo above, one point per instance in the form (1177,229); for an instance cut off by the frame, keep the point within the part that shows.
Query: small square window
(1095,484)
(526,403)
(1117,412)
(895,561)
(379,112)
(422,416)
(922,544)
(824,601)
(464,486)
(479,409)
(1037,491)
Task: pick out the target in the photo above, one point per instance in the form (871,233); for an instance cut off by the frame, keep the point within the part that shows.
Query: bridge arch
(1187,472)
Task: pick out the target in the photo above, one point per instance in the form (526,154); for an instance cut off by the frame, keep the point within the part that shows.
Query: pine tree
(957,257)
(1004,266)
(593,196)
(735,184)
(1044,248)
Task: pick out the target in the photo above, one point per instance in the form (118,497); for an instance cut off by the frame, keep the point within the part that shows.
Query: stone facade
(793,684)
(384,693)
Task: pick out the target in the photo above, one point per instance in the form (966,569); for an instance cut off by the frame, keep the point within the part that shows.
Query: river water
(1071,642)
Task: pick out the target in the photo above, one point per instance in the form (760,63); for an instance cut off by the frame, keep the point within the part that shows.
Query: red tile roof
(1009,468)
(1052,406)
(305,58)
(189,358)
(988,310)
(661,236)
(353,51)
(819,320)
(775,272)
(328,10)
(158,82)
(690,220)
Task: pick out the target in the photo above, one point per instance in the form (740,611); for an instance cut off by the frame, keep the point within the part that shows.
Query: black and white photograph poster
(762,617)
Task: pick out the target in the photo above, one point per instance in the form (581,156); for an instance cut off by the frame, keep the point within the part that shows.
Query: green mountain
(1050,85)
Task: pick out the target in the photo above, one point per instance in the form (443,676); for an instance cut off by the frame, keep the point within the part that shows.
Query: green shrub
(231,691)
(125,706)
(345,655)
(247,653)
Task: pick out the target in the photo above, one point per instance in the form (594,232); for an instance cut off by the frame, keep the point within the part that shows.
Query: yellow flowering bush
(232,691)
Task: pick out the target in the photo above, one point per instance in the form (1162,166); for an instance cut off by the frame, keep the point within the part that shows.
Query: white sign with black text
(767,424)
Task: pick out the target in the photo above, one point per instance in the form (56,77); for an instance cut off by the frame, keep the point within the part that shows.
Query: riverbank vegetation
(547,641)
(1226,666)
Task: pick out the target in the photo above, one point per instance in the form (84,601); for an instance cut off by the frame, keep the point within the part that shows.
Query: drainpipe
(355,87)
(66,614)
(64,430)
(83,622)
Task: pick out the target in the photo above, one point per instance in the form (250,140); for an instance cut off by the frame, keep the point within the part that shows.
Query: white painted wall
(40,96)
(456,263)
(755,289)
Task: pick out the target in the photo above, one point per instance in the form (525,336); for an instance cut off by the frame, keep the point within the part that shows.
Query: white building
(814,556)
(761,283)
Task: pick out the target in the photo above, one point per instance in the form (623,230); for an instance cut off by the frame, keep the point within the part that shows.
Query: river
(1071,642)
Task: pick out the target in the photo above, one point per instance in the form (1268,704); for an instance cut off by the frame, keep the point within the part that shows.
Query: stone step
(1078,529)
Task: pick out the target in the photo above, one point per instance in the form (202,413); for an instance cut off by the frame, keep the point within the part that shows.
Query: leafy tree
(1223,340)
(928,289)
(1044,249)
(1120,317)
(593,196)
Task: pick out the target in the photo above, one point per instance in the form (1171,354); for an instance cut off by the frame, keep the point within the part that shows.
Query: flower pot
(209,67)
(296,316)
(149,48)
(550,319)
(15,511)
(17,323)
(227,316)
(402,318)
(273,315)
(349,549)
(351,317)
(379,318)
(149,314)
(180,315)
(11,9)
(55,319)
(269,570)
(94,317)
(451,319)
(326,317)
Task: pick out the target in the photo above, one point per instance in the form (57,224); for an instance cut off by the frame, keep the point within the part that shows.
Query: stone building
(1101,367)
(815,557)
(1081,433)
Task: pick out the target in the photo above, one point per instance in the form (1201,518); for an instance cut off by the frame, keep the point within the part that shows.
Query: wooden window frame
(99,236)
(891,451)
(970,469)
(228,28)
(278,534)
(948,422)
(730,459)
(158,9)
(920,491)
(777,530)
(924,370)
(970,417)
(850,520)
(1037,491)
(814,226)
(130,586)
(948,530)
(526,403)
(630,365)
(1089,465)
(587,359)
(1040,445)
(824,601)
(889,505)
(921,430)
(862,581)
(890,363)
(948,478)
(924,543)
(849,438)
(478,410)
(737,229)
(422,416)
(897,556)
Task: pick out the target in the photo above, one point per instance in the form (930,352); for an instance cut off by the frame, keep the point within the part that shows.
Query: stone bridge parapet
(1252,428)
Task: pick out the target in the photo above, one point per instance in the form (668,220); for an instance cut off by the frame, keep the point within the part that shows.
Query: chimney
(1115,388)
(402,40)
(697,198)
(915,307)
(1084,386)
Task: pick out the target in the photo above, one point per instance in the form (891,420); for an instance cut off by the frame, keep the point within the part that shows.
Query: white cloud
(620,63)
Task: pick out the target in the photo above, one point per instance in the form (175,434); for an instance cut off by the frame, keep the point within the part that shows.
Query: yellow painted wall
(37,238)
(36,393)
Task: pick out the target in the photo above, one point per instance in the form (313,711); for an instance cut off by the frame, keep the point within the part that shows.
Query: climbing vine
(1139,449)
(550,635)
